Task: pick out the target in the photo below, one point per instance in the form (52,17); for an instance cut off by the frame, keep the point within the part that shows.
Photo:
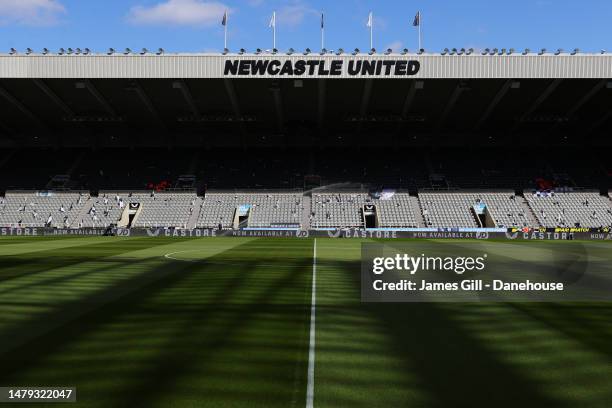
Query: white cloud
(30,12)
(179,12)
(293,14)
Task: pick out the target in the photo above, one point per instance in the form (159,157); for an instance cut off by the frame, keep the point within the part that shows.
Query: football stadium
(257,228)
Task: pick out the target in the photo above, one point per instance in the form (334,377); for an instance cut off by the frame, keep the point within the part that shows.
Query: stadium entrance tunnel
(241,216)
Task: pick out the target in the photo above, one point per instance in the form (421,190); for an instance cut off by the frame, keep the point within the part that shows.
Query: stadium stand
(164,209)
(341,210)
(158,209)
(101,211)
(396,212)
(571,209)
(446,209)
(450,209)
(31,209)
(260,210)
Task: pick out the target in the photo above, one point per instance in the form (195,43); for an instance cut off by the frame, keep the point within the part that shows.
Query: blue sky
(194,25)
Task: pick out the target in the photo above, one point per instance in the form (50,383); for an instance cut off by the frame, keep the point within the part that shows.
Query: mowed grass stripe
(83,279)
(36,244)
(476,355)
(176,340)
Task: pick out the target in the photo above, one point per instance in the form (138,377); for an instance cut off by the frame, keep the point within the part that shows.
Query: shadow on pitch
(453,367)
(194,331)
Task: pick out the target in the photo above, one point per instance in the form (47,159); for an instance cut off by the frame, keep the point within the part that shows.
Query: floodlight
(290,51)
(453,51)
(29,51)
(323,51)
(421,51)
(511,51)
(69,51)
(340,51)
(559,51)
(372,51)
(307,51)
(13,51)
(542,51)
(274,51)
(461,51)
(470,51)
(445,51)
(77,51)
(110,51)
(258,51)
(61,51)
(526,51)
(389,51)
(127,51)
(356,51)
(576,51)
(160,51)
(494,51)
(486,51)
(45,51)
(86,51)
(225,51)
(242,51)
(405,51)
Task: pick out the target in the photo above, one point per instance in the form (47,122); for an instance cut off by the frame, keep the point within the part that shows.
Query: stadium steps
(533,220)
(415,205)
(85,207)
(307,203)
(195,215)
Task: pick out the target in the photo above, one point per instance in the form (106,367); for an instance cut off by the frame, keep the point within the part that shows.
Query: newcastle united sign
(321,67)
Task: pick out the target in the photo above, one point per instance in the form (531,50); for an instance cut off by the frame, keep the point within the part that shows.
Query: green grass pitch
(224,322)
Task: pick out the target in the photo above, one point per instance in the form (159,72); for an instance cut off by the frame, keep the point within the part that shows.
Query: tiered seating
(266,210)
(341,210)
(453,209)
(396,212)
(102,211)
(164,209)
(506,209)
(158,210)
(447,209)
(584,209)
(37,209)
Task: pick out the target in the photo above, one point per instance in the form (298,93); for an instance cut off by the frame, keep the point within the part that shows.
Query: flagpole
(225,32)
(274,31)
(371,36)
(420,23)
(322,33)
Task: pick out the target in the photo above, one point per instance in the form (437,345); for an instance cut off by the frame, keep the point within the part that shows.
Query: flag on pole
(224,21)
(417,19)
(369,23)
(273,20)
(322,32)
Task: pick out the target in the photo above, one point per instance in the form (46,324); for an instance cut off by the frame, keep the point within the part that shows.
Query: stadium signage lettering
(321,68)
(18,231)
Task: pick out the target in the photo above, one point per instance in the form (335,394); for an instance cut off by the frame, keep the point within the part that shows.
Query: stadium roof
(186,99)
(441,66)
